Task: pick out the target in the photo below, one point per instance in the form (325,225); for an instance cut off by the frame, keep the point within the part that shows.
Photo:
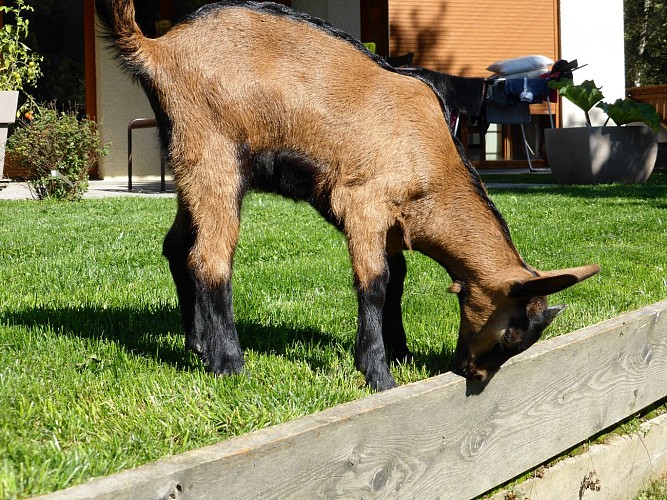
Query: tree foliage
(19,65)
(645,42)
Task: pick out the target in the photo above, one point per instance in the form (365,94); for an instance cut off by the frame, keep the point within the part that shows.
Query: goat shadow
(141,332)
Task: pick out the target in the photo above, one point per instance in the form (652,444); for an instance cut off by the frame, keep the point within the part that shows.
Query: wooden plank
(616,470)
(440,437)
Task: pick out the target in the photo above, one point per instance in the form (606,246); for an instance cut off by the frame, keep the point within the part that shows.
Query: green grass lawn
(94,377)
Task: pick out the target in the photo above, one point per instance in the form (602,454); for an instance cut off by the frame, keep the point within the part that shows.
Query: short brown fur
(383,163)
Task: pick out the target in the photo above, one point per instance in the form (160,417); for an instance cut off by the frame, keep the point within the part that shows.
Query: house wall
(120,100)
(463,38)
(592,33)
(343,14)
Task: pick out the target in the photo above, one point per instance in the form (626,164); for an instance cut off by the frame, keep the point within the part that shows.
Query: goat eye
(509,336)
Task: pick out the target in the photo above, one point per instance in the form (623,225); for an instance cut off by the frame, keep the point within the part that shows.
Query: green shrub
(56,150)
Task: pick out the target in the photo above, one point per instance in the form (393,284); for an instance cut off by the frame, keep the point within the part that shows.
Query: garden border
(437,437)
(619,468)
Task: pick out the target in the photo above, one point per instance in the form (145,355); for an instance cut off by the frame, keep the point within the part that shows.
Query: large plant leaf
(585,95)
(624,111)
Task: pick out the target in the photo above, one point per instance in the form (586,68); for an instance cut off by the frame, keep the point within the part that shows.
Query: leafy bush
(56,150)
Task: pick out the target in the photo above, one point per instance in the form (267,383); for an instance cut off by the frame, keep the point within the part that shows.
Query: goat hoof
(380,380)
(226,367)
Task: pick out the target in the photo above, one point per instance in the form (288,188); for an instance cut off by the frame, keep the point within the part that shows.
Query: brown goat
(252,95)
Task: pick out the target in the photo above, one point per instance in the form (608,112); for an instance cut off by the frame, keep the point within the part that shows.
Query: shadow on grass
(435,362)
(142,332)
(156,333)
(654,189)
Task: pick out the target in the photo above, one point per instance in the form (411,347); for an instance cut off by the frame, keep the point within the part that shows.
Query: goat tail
(118,24)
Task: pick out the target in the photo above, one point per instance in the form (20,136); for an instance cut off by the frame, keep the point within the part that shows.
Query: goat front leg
(371,276)
(393,332)
(206,310)
(200,248)
(176,248)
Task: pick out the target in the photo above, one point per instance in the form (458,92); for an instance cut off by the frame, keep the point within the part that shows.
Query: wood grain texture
(438,438)
(616,470)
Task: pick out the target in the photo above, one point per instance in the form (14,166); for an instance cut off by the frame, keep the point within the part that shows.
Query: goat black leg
(370,355)
(371,274)
(206,306)
(214,335)
(207,315)
(393,332)
(176,248)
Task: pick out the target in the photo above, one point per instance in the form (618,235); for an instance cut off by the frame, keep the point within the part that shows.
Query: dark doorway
(375,24)
(56,32)
(155,16)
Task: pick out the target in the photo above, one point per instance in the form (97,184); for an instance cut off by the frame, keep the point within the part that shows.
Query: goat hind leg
(206,311)
(214,336)
(393,332)
(176,248)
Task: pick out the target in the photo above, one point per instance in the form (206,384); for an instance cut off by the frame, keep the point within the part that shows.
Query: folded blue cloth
(537,88)
(511,92)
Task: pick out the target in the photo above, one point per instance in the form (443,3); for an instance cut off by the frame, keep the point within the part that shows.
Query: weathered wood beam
(440,437)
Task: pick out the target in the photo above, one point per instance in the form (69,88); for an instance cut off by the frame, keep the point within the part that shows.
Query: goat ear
(550,313)
(550,282)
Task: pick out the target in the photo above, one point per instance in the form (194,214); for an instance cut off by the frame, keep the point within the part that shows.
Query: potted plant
(606,154)
(19,67)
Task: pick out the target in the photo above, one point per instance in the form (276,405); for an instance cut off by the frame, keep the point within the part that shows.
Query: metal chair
(133,125)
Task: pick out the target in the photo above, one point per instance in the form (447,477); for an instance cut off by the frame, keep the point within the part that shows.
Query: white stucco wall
(120,99)
(347,16)
(592,33)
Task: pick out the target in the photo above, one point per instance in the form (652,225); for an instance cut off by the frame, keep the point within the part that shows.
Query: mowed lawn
(94,377)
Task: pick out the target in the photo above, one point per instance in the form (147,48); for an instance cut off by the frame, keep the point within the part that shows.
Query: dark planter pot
(601,155)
